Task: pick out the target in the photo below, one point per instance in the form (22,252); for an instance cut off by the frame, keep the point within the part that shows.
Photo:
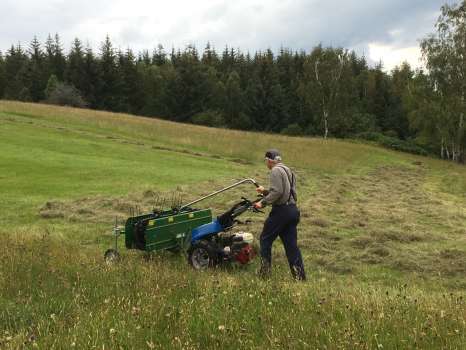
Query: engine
(237,246)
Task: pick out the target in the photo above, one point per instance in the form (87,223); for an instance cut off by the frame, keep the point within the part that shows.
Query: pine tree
(52,85)
(210,57)
(255,97)
(214,95)
(144,57)
(15,68)
(35,79)
(273,116)
(59,61)
(109,93)
(75,73)
(378,95)
(159,57)
(92,79)
(54,57)
(189,90)
(2,75)
(397,119)
(131,81)
(234,105)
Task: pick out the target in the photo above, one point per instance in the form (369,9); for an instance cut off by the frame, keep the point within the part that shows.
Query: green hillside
(383,236)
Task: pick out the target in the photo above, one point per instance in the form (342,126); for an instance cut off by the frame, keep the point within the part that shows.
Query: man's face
(269,163)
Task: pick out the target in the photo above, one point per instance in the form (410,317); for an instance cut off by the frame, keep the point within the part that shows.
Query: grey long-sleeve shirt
(279,192)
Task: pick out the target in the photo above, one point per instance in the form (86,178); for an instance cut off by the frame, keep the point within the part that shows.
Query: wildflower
(221,328)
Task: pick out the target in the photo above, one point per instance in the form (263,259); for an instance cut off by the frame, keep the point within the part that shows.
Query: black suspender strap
(291,182)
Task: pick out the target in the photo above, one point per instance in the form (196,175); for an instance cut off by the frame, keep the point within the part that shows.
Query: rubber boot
(265,270)
(298,273)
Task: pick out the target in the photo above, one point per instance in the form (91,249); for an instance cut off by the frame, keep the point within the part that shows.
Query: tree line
(328,92)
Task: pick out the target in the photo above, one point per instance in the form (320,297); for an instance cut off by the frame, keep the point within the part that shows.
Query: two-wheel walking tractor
(207,241)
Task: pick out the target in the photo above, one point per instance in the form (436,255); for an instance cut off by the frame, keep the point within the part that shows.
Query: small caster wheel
(111,256)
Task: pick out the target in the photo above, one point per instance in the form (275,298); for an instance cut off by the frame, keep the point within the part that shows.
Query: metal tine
(173,199)
(157,202)
(164,199)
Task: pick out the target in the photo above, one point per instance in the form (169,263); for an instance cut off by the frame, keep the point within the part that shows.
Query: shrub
(66,95)
(209,118)
(393,143)
(292,130)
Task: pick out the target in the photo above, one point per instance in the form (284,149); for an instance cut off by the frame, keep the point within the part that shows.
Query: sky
(381,30)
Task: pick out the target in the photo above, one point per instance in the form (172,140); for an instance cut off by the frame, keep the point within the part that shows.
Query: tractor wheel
(202,255)
(111,256)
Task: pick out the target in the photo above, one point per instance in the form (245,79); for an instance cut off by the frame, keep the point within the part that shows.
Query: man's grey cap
(273,154)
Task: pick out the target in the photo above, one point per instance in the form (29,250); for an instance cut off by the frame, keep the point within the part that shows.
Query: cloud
(391,55)
(375,28)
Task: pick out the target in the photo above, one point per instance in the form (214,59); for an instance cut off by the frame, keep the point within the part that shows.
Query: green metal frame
(168,230)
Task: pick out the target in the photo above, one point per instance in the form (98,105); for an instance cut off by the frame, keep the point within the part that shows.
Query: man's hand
(260,189)
(258,205)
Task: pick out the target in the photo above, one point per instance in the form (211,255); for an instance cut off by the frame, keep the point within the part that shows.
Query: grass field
(383,236)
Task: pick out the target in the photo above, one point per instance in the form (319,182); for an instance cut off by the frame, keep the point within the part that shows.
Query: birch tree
(445,55)
(323,71)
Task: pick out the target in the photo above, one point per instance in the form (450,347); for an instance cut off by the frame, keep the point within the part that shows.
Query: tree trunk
(325,124)
(442,149)
(461,136)
(453,151)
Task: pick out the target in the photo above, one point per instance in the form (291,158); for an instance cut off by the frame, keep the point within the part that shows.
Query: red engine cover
(245,255)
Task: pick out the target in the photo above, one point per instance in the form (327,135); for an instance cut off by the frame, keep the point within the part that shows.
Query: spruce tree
(52,85)
(2,75)
(54,57)
(92,79)
(15,67)
(255,97)
(159,57)
(59,60)
(35,78)
(378,96)
(210,57)
(189,88)
(75,73)
(233,101)
(397,118)
(109,92)
(131,83)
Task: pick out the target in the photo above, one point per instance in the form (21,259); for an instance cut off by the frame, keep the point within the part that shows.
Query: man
(283,218)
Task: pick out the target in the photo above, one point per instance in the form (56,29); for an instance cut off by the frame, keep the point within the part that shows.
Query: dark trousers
(282,222)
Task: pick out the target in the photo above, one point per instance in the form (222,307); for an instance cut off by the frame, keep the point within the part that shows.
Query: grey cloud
(295,24)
